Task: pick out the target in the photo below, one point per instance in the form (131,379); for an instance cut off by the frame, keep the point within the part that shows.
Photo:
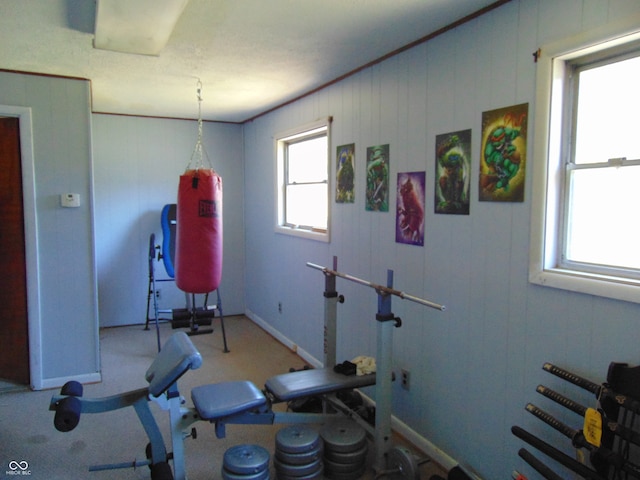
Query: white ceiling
(250,55)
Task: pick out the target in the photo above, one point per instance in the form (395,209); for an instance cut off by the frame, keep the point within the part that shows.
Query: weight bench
(234,402)
(310,383)
(241,402)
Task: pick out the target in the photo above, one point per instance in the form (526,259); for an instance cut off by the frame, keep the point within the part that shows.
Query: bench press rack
(241,402)
(386,321)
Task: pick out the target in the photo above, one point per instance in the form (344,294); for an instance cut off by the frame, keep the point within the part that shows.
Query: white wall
(66,336)
(475,366)
(138,163)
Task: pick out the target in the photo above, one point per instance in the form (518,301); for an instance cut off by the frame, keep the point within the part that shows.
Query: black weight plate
(347,457)
(401,459)
(297,439)
(246,459)
(344,476)
(342,467)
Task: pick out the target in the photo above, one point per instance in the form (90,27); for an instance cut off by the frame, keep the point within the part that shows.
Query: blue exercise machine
(241,402)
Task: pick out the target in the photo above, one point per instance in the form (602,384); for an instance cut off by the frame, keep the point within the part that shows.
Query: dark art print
(377,195)
(345,173)
(453,169)
(410,211)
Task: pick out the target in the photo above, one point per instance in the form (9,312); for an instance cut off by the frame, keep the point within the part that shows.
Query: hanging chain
(199,149)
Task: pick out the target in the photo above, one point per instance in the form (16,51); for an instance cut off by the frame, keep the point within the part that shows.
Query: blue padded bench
(317,381)
(219,400)
(176,357)
(226,399)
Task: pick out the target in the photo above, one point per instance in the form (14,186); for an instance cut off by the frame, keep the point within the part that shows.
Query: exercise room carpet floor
(27,433)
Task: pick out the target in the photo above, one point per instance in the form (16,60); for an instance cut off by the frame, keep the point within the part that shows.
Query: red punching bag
(199,231)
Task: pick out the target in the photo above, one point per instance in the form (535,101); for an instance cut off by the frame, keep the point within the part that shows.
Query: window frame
(546,266)
(282,140)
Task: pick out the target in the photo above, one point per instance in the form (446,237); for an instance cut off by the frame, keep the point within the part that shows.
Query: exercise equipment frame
(386,321)
(240,402)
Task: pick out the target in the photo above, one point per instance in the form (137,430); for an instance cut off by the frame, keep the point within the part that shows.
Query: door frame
(30,239)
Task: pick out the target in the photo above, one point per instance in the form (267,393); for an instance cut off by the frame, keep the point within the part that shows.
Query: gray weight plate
(343,436)
(227,475)
(297,439)
(404,463)
(300,458)
(348,457)
(246,459)
(297,470)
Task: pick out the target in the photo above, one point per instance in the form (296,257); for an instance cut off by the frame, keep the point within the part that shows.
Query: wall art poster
(377,195)
(503,154)
(410,211)
(453,168)
(345,173)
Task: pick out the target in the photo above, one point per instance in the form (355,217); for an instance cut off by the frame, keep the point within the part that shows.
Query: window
(303,181)
(586,196)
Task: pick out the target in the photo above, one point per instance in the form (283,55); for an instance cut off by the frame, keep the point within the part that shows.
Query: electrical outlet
(158,294)
(405,379)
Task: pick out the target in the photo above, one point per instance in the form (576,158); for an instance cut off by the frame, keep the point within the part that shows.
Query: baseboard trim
(283,339)
(48,383)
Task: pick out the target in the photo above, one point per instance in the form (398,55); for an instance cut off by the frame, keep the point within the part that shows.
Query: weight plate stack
(401,461)
(298,454)
(246,462)
(345,450)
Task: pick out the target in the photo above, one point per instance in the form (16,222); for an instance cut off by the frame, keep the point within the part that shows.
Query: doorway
(14,326)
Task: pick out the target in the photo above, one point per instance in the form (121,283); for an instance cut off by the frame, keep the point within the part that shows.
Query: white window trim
(545,220)
(280,227)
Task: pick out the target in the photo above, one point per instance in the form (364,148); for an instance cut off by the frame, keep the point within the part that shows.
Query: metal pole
(330,316)
(378,288)
(177,435)
(386,322)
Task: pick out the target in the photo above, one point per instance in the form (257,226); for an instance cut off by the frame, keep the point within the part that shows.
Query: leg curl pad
(67,414)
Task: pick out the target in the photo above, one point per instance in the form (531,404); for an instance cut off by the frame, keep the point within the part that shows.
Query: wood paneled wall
(138,163)
(475,366)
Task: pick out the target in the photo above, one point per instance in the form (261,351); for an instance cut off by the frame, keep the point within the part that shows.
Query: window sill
(319,236)
(617,288)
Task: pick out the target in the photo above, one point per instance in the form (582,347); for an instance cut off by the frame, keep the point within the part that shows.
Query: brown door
(14,340)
